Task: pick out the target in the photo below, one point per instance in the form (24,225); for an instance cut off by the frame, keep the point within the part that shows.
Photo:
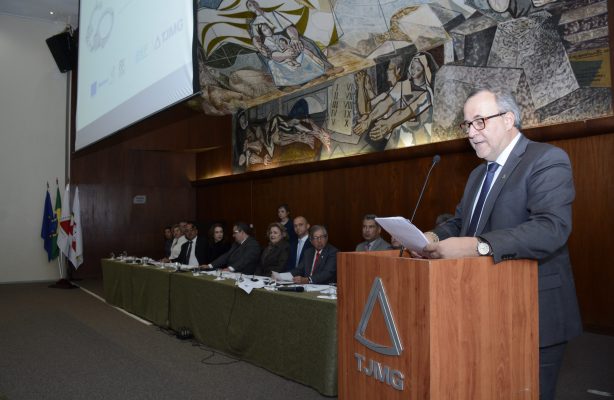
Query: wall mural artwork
(311,80)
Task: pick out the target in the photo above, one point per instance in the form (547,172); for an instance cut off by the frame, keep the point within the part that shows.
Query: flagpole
(60,265)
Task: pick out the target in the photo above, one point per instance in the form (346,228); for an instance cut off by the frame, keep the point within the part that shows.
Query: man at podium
(517,205)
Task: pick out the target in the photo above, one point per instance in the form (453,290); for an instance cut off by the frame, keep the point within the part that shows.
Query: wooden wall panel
(226,203)
(340,195)
(147,159)
(591,239)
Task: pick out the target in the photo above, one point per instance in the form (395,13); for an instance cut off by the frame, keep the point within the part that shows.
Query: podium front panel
(436,329)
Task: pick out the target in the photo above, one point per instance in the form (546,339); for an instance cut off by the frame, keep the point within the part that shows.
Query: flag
(76,247)
(49,227)
(58,213)
(64,228)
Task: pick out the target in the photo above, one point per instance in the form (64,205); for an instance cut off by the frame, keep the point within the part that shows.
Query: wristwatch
(483,247)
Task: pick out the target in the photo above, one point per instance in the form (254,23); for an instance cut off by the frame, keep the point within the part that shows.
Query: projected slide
(135,58)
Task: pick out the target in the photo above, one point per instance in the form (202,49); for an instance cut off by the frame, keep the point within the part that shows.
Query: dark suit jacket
(326,269)
(528,215)
(291,263)
(214,250)
(200,251)
(274,258)
(243,258)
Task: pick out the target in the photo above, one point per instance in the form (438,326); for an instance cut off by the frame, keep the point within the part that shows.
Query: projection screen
(136,58)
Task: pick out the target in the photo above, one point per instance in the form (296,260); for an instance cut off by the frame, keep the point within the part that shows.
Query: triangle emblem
(378,293)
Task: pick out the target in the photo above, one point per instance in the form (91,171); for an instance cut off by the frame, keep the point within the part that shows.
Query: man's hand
(300,279)
(455,247)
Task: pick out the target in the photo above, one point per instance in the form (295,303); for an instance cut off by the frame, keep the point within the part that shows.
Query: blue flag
(49,228)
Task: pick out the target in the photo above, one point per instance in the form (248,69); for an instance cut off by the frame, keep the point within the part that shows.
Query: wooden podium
(462,329)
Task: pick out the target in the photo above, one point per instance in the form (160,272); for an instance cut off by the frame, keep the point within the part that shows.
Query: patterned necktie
(315,262)
(475,218)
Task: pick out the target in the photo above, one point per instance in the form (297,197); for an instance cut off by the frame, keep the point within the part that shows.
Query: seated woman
(276,253)
(216,245)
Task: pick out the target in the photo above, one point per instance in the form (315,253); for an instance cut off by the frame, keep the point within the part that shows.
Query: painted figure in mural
(250,143)
(277,48)
(288,66)
(279,130)
(297,126)
(291,58)
(406,105)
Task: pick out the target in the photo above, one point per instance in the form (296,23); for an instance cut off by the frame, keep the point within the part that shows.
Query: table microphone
(291,289)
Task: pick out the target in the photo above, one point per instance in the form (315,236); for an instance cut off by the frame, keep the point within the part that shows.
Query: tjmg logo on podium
(376,369)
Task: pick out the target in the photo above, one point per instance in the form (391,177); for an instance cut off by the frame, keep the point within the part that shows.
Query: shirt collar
(501,160)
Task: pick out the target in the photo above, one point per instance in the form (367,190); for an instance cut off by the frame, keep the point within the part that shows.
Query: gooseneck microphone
(436,159)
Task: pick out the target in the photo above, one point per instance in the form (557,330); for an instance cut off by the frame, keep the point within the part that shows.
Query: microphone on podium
(436,159)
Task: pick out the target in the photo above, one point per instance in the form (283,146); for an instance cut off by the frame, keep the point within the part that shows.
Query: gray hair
(317,228)
(506,102)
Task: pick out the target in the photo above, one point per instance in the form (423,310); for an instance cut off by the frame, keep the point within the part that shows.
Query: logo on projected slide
(378,294)
(99,26)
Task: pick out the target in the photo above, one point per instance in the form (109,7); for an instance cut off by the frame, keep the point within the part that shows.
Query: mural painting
(311,80)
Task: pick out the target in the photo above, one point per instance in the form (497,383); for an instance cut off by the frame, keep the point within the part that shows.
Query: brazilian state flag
(49,228)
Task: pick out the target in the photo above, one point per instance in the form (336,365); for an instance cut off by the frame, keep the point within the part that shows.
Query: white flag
(76,248)
(64,226)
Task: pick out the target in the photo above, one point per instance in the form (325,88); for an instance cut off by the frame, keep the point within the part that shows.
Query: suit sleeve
(327,273)
(541,200)
(301,270)
(222,261)
(249,258)
(182,258)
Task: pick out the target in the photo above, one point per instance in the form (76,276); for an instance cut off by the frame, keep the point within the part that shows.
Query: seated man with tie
(193,251)
(244,254)
(319,264)
(371,232)
(299,244)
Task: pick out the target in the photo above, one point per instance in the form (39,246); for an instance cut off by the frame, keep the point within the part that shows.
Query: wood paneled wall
(338,193)
(156,158)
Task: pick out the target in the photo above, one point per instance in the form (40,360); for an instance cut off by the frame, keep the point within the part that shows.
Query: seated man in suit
(299,244)
(371,232)
(194,250)
(319,264)
(244,254)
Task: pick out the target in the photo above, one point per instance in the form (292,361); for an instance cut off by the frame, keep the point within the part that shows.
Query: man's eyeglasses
(319,237)
(478,123)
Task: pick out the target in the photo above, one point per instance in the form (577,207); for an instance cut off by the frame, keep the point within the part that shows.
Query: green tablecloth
(291,334)
(141,290)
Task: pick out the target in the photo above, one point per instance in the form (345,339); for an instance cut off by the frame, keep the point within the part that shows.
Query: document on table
(405,232)
(282,276)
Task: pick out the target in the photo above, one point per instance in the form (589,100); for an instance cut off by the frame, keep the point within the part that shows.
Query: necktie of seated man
(189,252)
(315,262)
(475,218)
